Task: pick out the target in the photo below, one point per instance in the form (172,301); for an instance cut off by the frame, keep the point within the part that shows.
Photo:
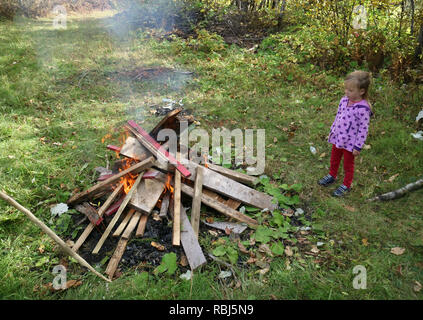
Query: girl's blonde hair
(363,80)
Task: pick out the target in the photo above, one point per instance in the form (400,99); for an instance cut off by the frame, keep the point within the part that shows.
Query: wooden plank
(134,149)
(165,205)
(115,206)
(229,188)
(232,189)
(118,213)
(101,211)
(237,176)
(148,193)
(141,226)
(231,213)
(196,201)
(124,222)
(190,243)
(117,256)
(154,147)
(176,239)
(80,197)
(132,224)
(168,121)
(234,204)
(89,212)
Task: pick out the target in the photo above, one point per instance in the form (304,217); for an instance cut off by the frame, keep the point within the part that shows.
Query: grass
(59,97)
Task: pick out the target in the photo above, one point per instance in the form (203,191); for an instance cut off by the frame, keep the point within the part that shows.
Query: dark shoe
(327,180)
(341,191)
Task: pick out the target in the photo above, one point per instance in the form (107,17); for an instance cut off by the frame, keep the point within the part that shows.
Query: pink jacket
(350,128)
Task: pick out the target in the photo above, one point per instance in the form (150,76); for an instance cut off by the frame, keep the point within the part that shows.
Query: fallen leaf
(323,155)
(209,220)
(251,260)
(213,233)
(265,249)
(351,209)
(41,249)
(391,179)
(242,247)
(288,251)
(364,241)
(73,284)
(184,261)
(158,246)
(314,249)
(397,251)
(228,231)
(417,286)
(399,270)
(275,140)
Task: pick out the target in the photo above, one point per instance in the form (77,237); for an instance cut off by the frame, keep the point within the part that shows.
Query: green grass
(60,99)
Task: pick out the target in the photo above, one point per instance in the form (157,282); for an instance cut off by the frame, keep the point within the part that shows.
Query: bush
(39,8)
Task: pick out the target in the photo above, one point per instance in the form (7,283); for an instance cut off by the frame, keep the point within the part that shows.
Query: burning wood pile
(149,177)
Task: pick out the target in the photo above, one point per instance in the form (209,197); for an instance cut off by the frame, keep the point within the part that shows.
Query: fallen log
(51,234)
(399,192)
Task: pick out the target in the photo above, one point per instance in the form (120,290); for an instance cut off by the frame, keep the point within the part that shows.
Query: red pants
(335,160)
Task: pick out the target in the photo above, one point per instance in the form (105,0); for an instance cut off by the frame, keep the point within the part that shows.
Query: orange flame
(205,160)
(128,180)
(168,185)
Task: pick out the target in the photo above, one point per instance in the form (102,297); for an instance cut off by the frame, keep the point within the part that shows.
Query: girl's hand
(356,153)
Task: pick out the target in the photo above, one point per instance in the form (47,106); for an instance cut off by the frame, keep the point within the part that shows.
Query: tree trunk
(419,48)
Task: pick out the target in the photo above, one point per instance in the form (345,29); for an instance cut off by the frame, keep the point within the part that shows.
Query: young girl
(349,130)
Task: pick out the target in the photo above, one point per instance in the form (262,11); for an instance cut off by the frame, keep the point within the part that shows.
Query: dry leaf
(242,247)
(288,251)
(265,249)
(323,155)
(397,251)
(364,241)
(228,231)
(314,249)
(251,260)
(158,246)
(209,220)
(417,286)
(213,233)
(275,140)
(41,249)
(184,261)
(391,179)
(399,270)
(352,209)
